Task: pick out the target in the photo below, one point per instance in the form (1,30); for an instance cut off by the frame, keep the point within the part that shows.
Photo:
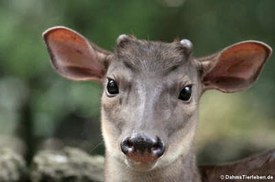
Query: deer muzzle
(141,148)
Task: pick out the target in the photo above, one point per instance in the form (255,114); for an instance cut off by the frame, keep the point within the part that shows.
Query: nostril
(158,148)
(127,146)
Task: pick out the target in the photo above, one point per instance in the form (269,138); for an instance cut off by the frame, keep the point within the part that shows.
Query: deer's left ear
(235,67)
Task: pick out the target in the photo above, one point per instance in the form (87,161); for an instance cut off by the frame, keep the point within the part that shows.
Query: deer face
(149,102)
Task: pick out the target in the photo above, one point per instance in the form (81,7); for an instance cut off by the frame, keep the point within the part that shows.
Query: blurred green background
(37,104)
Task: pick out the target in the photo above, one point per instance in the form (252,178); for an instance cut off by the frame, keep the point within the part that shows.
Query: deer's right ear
(73,56)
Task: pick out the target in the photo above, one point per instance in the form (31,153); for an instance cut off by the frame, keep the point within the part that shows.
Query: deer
(150,99)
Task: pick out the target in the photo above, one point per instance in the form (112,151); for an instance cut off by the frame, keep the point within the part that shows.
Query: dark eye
(112,87)
(186,93)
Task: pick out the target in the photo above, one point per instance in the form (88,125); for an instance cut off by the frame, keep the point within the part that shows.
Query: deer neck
(183,169)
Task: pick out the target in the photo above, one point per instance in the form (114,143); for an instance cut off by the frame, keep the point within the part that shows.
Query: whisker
(95,147)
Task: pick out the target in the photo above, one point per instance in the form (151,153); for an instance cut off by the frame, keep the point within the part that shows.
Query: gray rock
(12,166)
(68,164)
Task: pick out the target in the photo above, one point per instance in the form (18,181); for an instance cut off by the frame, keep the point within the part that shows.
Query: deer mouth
(142,157)
(141,161)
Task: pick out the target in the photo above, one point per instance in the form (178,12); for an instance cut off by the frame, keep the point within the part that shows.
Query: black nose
(141,144)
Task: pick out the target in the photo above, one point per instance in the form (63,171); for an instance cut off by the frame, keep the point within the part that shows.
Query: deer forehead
(150,56)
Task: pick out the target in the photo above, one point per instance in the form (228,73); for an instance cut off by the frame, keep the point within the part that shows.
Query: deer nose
(141,147)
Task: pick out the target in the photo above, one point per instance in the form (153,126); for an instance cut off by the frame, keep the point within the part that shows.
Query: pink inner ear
(63,35)
(73,56)
(237,67)
(241,61)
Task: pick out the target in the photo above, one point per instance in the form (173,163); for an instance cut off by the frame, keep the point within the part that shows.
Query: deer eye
(186,93)
(112,88)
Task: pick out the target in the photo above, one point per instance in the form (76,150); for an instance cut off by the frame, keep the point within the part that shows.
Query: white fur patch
(121,38)
(186,43)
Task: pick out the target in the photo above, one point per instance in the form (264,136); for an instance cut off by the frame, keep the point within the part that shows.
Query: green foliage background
(33,97)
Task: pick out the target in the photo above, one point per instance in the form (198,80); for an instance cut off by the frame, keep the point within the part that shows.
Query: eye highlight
(112,87)
(186,93)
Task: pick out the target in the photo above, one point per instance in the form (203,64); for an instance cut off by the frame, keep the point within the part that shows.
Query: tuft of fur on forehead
(152,56)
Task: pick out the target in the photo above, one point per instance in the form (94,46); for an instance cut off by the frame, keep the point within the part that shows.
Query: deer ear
(234,68)
(72,56)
